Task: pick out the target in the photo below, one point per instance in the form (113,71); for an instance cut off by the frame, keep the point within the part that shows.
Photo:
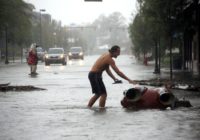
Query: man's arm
(110,74)
(121,74)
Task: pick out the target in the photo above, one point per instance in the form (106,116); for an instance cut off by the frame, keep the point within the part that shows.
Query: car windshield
(55,51)
(39,49)
(76,49)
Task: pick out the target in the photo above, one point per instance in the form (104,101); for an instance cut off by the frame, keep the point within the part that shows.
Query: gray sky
(79,12)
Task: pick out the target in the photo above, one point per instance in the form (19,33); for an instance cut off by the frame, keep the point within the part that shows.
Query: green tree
(163,23)
(15,26)
(140,36)
(15,16)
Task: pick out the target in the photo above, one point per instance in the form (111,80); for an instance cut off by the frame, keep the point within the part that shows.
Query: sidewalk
(16,62)
(181,76)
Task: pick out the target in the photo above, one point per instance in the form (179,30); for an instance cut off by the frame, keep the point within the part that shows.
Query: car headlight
(46,56)
(70,53)
(81,53)
(62,55)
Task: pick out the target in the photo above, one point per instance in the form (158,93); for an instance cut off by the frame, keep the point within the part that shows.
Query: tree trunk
(156,70)
(170,53)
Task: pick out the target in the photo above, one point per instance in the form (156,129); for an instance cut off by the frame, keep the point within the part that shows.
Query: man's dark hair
(114,49)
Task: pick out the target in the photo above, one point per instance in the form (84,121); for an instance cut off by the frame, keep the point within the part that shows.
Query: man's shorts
(97,84)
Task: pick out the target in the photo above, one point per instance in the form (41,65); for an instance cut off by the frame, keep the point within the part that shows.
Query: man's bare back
(102,63)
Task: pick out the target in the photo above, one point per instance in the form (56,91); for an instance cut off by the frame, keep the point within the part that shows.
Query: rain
(51,101)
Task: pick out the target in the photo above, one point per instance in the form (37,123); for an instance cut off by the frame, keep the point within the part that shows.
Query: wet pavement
(60,112)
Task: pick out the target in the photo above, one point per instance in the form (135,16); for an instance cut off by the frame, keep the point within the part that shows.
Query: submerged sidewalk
(178,75)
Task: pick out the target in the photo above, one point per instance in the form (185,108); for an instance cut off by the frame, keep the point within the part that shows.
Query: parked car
(40,53)
(76,53)
(55,56)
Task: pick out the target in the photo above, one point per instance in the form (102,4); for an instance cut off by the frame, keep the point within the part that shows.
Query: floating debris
(4,84)
(179,85)
(7,87)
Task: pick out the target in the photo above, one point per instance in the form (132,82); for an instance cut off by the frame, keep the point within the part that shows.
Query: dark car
(40,53)
(76,53)
(55,56)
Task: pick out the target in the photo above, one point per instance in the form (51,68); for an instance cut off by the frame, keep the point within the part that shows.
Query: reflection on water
(65,115)
(55,67)
(76,62)
(61,112)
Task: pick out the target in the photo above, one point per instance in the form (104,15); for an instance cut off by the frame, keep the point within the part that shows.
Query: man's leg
(102,100)
(92,100)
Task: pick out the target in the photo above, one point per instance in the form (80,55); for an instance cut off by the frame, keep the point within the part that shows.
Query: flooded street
(61,113)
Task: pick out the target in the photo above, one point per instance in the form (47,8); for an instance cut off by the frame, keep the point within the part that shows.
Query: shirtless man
(95,75)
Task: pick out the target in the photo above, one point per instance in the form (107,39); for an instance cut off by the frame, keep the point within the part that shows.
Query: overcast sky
(79,12)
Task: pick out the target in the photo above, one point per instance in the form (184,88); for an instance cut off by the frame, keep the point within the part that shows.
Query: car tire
(47,64)
(64,63)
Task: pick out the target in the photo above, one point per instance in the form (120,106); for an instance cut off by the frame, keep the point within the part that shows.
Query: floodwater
(60,112)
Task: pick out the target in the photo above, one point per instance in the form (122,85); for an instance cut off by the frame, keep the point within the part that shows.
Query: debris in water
(7,87)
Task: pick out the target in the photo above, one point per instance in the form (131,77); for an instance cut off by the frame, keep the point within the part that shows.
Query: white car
(55,56)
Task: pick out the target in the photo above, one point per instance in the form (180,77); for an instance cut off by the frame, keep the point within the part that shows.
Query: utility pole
(41,10)
(6,41)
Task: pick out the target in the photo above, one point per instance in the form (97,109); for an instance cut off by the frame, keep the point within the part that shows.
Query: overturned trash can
(151,98)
